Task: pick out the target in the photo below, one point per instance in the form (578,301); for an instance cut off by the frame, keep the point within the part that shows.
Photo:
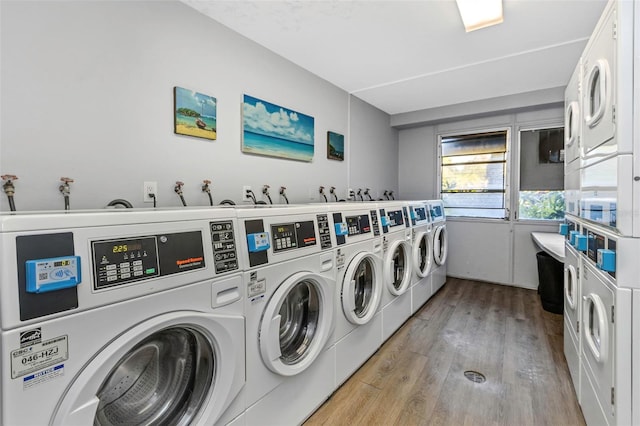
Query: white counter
(551,242)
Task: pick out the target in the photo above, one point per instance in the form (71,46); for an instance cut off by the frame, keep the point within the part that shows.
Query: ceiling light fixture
(478,14)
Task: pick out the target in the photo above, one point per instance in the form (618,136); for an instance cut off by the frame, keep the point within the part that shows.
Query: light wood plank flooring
(416,378)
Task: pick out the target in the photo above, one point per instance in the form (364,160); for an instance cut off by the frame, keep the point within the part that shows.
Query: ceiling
(404,56)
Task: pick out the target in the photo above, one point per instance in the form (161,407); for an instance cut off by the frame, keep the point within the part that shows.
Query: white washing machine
(121,317)
(397,266)
(609,273)
(422,253)
(572,302)
(572,132)
(440,245)
(359,285)
(290,309)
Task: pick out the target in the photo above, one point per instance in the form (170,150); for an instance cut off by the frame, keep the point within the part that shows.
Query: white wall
(373,154)
(87,92)
(500,251)
(418,175)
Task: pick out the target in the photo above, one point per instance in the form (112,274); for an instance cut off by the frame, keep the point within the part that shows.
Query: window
(474,174)
(541,194)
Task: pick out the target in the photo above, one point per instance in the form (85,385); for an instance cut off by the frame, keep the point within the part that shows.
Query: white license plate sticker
(38,356)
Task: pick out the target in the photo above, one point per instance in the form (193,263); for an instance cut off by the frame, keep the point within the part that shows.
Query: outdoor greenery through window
(541,174)
(474,174)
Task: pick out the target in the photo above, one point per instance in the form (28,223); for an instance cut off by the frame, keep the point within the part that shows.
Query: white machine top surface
(551,242)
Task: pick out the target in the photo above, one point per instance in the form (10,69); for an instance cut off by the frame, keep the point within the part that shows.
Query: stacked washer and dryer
(121,317)
(602,284)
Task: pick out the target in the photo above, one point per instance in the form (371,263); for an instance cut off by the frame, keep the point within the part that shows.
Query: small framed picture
(335,146)
(194,114)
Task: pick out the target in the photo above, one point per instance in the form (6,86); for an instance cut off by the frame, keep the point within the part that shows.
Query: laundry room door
(175,369)
(296,323)
(361,289)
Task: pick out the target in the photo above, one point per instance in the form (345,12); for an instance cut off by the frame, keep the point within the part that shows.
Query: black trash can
(550,283)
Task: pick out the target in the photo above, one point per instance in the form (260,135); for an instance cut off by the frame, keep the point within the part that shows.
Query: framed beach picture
(275,131)
(335,146)
(194,114)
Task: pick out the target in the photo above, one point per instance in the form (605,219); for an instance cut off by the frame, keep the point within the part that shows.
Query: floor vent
(474,376)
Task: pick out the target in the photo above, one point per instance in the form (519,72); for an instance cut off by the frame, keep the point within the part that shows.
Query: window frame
(508,174)
(516,175)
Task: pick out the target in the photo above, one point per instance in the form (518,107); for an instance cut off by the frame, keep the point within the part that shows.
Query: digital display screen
(123,248)
(62,263)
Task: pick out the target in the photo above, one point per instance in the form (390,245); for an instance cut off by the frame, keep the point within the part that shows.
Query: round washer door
(570,285)
(296,323)
(174,369)
(397,267)
(422,254)
(440,245)
(361,288)
(596,331)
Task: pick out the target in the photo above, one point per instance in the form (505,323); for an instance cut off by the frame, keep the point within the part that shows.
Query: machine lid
(361,289)
(570,285)
(397,273)
(422,254)
(296,323)
(571,123)
(598,92)
(440,245)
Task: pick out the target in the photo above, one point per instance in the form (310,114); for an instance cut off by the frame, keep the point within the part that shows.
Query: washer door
(296,323)
(570,285)
(174,369)
(440,245)
(397,267)
(422,254)
(596,331)
(361,289)
(571,124)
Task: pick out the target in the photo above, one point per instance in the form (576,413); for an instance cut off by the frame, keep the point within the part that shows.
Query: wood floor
(417,378)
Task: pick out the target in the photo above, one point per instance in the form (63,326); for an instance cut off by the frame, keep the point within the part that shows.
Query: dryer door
(570,286)
(422,254)
(397,267)
(596,327)
(361,288)
(296,323)
(174,369)
(572,131)
(440,245)
(599,88)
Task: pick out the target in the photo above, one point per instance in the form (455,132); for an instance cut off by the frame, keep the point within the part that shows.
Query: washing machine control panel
(374,222)
(395,218)
(324,231)
(126,260)
(224,246)
(289,236)
(357,225)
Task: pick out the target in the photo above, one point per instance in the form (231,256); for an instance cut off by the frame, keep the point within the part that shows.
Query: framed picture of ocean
(275,131)
(335,146)
(194,114)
